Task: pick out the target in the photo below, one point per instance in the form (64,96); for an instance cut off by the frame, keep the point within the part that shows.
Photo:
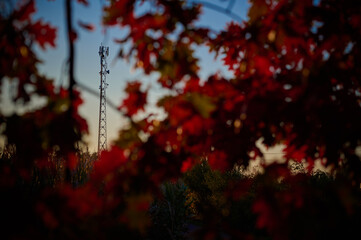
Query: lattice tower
(102,134)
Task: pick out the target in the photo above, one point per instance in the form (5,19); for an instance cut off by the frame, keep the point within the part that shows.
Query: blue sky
(87,64)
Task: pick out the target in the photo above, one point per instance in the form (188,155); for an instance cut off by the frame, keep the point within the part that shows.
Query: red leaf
(26,11)
(83,201)
(194,125)
(178,113)
(44,34)
(119,10)
(262,66)
(87,26)
(136,99)
(84,2)
(218,160)
(187,164)
(192,85)
(297,154)
(108,163)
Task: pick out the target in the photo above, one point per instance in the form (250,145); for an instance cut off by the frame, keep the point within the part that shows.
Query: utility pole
(102,134)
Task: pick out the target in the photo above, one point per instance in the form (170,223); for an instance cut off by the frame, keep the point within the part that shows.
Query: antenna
(102,134)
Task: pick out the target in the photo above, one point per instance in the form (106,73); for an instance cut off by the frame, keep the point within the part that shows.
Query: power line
(226,11)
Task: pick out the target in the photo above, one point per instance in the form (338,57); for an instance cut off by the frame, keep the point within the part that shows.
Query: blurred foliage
(170,213)
(295,81)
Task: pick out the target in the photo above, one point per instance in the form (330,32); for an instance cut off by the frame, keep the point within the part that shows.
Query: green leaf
(258,8)
(202,103)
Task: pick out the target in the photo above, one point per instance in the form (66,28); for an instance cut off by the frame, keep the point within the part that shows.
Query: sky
(87,60)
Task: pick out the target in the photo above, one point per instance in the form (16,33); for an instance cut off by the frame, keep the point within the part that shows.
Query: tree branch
(71,33)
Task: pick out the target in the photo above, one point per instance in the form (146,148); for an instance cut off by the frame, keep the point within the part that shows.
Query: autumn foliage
(295,67)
